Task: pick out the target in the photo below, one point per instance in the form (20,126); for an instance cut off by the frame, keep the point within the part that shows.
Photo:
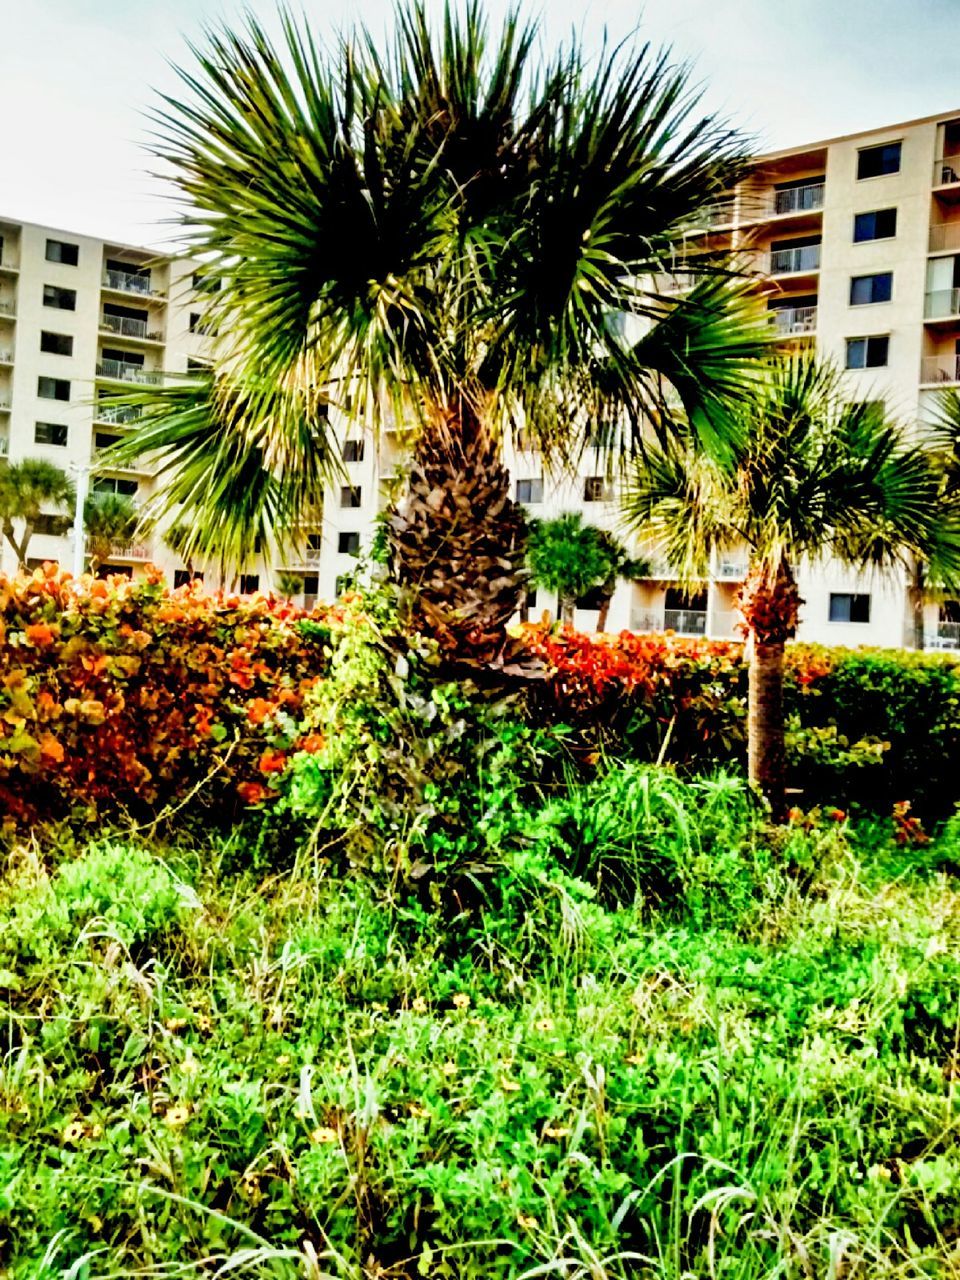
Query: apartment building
(855,242)
(82,319)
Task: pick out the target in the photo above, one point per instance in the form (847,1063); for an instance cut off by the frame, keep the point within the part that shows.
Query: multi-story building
(81,320)
(856,246)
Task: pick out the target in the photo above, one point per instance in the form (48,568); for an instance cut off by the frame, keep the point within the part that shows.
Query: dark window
(530,490)
(314,542)
(124,357)
(115,571)
(53,389)
(63,251)
(875,288)
(56,344)
(348,544)
(182,576)
(62,299)
(868,353)
(532,598)
(881,224)
(113,484)
(311,584)
(353,450)
(849,607)
(594,599)
(55,526)
(343,583)
(196,320)
(128,268)
(249,583)
(50,433)
(197,366)
(350,495)
(595,489)
(105,440)
(874,161)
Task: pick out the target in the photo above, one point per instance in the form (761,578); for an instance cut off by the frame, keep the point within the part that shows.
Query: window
(196,320)
(105,440)
(868,353)
(63,251)
(530,490)
(249,583)
(56,344)
(50,433)
(872,162)
(53,388)
(53,526)
(596,489)
(314,543)
(881,224)
(353,450)
(181,577)
(123,357)
(876,288)
(531,600)
(348,544)
(62,299)
(198,366)
(115,571)
(849,607)
(595,599)
(350,495)
(311,584)
(113,484)
(343,584)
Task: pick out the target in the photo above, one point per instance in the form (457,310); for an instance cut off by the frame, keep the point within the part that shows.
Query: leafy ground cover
(656,1040)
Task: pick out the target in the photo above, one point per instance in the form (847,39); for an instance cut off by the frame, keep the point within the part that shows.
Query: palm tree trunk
(457,543)
(766,752)
(565,607)
(603,614)
(917,592)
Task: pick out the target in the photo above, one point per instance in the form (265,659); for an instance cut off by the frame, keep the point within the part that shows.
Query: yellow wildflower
(177,1115)
(527,1222)
(556,1131)
(461,1000)
(449,1068)
(544,1024)
(509,1086)
(419,1005)
(74,1131)
(324,1135)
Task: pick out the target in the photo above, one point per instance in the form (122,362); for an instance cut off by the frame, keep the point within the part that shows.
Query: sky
(78,79)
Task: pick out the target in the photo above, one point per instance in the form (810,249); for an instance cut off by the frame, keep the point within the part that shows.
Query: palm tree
(941,437)
(289,584)
(441,233)
(26,489)
(573,559)
(813,476)
(108,518)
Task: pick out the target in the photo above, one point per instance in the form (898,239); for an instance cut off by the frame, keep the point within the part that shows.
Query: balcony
(792,322)
(685,622)
(116,415)
(8,266)
(944,237)
(4,405)
(129,282)
(731,570)
(130,551)
(785,262)
(121,371)
(936,370)
(129,327)
(6,357)
(946,171)
(805,199)
(943,635)
(942,304)
(7,308)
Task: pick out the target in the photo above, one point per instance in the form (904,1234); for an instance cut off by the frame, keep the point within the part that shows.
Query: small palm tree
(289,584)
(27,490)
(572,558)
(108,519)
(813,476)
(441,232)
(941,436)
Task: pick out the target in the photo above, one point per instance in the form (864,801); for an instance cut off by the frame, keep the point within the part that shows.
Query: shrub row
(124,695)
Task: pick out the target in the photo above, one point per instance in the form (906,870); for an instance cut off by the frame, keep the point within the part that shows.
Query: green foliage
(27,489)
(108,518)
(571,558)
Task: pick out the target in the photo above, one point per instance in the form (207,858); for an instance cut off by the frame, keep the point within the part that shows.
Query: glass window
(53,526)
(872,162)
(875,288)
(596,489)
(353,450)
(63,251)
(182,576)
(113,484)
(50,433)
(249,583)
(881,224)
(868,353)
(350,495)
(62,299)
(53,389)
(530,491)
(849,607)
(348,544)
(56,344)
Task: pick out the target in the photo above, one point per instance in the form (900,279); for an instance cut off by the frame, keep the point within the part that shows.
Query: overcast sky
(78,76)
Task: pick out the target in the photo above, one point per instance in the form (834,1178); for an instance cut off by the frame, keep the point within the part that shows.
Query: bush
(124,696)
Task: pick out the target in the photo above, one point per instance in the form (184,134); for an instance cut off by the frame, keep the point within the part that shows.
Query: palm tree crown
(440,231)
(26,489)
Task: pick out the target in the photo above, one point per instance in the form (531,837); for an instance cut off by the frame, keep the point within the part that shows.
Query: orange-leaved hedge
(122,695)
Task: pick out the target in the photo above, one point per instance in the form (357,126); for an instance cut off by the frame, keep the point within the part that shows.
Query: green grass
(648,1039)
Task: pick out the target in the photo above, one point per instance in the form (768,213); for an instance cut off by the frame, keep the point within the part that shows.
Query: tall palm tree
(814,476)
(108,519)
(443,232)
(27,490)
(941,437)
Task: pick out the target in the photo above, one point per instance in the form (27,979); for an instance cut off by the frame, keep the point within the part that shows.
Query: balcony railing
(4,406)
(943,635)
(7,308)
(940,368)
(130,551)
(732,570)
(686,622)
(6,357)
(946,171)
(805,257)
(8,264)
(798,199)
(788,321)
(941,304)
(119,415)
(124,372)
(944,236)
(128,282)
(128,327)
